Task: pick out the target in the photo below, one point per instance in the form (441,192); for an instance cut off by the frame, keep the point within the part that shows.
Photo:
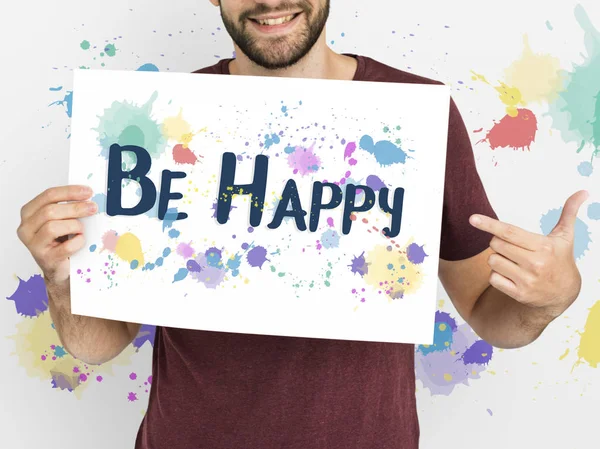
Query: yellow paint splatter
(447,377)
(34,343)
(392,272)
(589,345)
(562,357)
(129,248)
(537,76)
(176,128)
(510,96)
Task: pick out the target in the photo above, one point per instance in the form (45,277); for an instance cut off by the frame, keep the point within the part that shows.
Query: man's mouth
(267,21)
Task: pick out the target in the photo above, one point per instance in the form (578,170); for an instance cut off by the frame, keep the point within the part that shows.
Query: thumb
(566,223)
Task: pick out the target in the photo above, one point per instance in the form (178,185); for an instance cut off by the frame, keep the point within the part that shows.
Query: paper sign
(291,207)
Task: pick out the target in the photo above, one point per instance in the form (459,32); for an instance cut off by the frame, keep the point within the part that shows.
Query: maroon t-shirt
(217,390)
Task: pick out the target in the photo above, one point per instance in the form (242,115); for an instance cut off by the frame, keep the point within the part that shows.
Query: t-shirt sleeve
(464,195)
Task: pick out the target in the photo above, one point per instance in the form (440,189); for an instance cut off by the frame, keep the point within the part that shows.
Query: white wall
(532,397)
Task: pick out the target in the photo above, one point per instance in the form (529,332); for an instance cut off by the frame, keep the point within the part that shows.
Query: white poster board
(214,258)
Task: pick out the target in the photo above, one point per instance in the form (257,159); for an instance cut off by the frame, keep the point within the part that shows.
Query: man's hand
(46,225)
(536,270)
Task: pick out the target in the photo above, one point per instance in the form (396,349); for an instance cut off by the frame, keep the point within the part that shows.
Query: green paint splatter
(576,111)
(110,50)
(273,269)
(549,25)
(129,124)
(281,275)
(85,45)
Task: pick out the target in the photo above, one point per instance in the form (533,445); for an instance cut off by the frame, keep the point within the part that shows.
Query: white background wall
(523,398)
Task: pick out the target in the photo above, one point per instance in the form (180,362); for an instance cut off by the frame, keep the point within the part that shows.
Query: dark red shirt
(213,390)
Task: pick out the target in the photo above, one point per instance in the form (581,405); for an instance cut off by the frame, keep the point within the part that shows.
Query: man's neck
(321,62)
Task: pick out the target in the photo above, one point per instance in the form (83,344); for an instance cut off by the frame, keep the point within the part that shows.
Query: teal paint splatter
(549,25)
(594,211)
(442,339)
(110,50)
(576,111)
(59,352)
(582,234)
(85,45)
(129,124)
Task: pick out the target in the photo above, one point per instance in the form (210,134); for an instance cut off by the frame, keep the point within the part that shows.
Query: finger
(54,212)
(66,249)
(518,255)
(52,230)
(568,217)
(504,284)
(506,268)
(55,195)
(507,232)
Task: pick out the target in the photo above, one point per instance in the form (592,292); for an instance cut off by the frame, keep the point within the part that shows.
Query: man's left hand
(536,270)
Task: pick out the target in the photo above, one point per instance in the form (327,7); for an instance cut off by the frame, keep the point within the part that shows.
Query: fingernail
(475,220)
(92,207)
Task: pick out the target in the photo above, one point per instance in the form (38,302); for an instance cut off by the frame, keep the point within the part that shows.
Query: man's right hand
(46,225)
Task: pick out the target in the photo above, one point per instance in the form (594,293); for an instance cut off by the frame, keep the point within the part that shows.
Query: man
(224,391)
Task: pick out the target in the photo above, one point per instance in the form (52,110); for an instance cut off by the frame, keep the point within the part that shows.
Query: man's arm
(46,221)
(513,290)
(91,340)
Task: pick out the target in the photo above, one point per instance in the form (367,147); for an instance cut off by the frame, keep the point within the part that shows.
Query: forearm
(505,323)
(92,340)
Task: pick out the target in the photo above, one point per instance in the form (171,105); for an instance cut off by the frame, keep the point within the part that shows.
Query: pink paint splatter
(185,250)
(75,369)
(132,397)
(183,155)
(133,376)
(330,222)
(149,379)
(304,160)
(82,377)
(109,240)
(513,132)
(99,378)
(350,149)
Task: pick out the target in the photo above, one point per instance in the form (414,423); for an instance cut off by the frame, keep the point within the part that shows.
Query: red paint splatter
(183,155)
(478,130)
(513,132)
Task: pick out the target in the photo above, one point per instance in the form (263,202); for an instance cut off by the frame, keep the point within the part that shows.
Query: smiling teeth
(279,21)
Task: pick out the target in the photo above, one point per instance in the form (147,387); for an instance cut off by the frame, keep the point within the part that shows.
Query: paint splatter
(593,211)
(330,239)
(589,344)
(442,370)
(85,45)
(585,169)
(385,152)
(145,334)
(359,265)
(129,248)
(415,253)
(183,155)
(391,272)
(576,111)
(30,297)
(442,338)
(67,102)
(304,160)
(582,234)
(148,68)
(513,132)
(257,256)
(537,76)
(129,124)
(375,183)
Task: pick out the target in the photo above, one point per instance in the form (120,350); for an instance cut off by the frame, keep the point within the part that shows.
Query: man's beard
(281,52)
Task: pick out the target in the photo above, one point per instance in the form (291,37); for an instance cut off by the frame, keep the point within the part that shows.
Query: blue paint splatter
(146,334)
(582,234)
(59,352)
(271,140)
(234,264)
(174,233)
(56,89)
(594,211)
(180,275)
(134,264)
(385,152)
(213,257)
(93,248)
(100,200)
(166,252)
(442,339)
(585,168)
(330,239)
(148,68)
(170,218)
(67,102)
(479,353)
